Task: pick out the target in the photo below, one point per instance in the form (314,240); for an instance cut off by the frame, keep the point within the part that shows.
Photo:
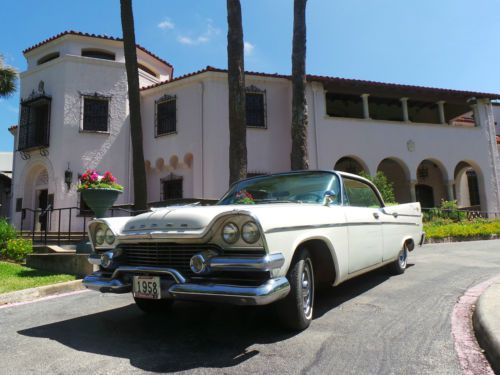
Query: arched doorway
(467,190)
(36,196)
(398,174)
(350,164)
(425,195)
(430,189)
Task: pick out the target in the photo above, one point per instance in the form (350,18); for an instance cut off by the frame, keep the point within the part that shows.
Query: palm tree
(8,78)
(236,85)
(298,156)
(134,102)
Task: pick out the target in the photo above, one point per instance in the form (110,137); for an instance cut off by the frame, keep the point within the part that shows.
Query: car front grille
(168,255)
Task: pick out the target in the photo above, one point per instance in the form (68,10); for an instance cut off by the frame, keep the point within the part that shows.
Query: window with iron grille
(166,115)
(95,114)
(473,188)
(171,188)
(255,109)
(34,123)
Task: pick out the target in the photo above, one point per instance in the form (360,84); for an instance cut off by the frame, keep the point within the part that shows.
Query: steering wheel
(309,197)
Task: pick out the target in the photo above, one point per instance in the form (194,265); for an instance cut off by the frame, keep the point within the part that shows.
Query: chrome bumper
(268,292)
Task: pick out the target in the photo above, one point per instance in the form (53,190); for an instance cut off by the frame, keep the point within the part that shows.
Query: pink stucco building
(432,143)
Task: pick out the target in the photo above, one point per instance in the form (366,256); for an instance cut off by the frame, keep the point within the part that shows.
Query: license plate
(147,287)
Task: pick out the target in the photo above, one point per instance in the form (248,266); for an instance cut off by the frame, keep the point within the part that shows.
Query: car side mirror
(329,197)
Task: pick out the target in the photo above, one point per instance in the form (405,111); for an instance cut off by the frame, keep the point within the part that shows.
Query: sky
(438,43)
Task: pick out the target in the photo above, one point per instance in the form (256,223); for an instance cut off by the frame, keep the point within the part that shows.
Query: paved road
(373,325)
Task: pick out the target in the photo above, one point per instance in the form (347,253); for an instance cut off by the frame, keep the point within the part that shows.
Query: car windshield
(306,187)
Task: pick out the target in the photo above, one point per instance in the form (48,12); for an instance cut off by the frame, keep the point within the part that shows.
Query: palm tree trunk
(134,101)
(299,159)
(236,85)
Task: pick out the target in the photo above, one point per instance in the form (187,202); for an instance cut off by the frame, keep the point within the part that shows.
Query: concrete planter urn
(100,200)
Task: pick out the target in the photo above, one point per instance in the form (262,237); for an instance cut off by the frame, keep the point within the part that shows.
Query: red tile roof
(349,82)
(106,37)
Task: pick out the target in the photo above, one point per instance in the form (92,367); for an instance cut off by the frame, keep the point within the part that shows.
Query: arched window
(98,54)
(47,58)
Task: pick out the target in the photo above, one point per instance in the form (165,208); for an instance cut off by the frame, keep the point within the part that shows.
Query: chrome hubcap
(307,291)
(403,256)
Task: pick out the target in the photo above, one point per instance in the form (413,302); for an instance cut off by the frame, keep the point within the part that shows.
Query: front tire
(398,267)
(296,309)
(153,306)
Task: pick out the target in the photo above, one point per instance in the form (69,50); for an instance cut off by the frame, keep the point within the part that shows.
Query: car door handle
(395,214)
(376,215)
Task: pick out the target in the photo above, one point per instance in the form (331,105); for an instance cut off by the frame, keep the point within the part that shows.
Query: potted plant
(99,192)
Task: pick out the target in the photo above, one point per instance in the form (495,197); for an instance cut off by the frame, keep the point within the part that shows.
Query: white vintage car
(270,239)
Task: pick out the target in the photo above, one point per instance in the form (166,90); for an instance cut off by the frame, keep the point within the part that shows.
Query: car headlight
(250,232)
(109,237)
(230,233)
(100,234)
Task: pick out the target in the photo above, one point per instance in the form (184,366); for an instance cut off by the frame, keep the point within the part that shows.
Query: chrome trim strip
(152,270)
(319,226)
(267,263)
(95,282)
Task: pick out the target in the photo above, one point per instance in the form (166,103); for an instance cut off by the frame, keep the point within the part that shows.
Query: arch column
(450,184)
(413,191)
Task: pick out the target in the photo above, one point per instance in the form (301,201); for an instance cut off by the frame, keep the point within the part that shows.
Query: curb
(462,239)
(486,322)
(39,292)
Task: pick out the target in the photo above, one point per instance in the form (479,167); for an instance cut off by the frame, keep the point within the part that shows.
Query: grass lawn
(16,277)
(462,229)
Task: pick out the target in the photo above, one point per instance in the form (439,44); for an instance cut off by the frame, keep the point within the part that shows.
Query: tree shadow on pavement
(191,335)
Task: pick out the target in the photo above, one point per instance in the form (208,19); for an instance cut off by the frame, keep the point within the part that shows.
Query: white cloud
(205,37)
(166,24)
(248,48)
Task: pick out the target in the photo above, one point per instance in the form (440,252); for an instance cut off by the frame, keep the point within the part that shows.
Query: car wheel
(398,267)
(153,306)
(296,309)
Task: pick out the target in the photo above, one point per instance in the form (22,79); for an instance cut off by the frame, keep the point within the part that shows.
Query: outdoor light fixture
(68,177)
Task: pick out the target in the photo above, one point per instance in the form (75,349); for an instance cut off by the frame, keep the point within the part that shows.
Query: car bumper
(266,293)
(176,286)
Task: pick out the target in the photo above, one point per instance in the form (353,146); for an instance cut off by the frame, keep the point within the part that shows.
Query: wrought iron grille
(34,127)
(171,188)
(255,109)
(166,116)
(95,114)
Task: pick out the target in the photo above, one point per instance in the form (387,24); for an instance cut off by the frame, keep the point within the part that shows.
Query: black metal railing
(460,214)
(69,224)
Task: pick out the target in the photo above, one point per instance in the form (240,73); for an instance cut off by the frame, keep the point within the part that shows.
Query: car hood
(198,218)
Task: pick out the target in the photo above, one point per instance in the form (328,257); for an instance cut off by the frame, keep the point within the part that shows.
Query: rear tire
(398,267)
(153,306)
(296,309)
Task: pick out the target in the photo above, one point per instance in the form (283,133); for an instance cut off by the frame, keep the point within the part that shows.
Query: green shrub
(448,211)
(480,228)
(7,232)
(18,249)
(383,185)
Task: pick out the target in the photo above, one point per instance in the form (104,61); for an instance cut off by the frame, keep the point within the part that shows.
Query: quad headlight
(250,232)
(109,237)
(100,235)
(230,233)
(103,235)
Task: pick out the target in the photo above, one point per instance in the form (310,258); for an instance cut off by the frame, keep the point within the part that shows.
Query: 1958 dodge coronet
(270,239)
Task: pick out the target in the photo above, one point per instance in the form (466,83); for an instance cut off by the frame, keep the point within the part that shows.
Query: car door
(363,217)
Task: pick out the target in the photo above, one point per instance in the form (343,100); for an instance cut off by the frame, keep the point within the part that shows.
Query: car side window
(360,194)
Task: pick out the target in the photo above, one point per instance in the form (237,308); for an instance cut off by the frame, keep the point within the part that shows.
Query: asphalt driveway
(374,324)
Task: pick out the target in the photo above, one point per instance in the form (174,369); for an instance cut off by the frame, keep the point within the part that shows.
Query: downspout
(314,123)
(202,139)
